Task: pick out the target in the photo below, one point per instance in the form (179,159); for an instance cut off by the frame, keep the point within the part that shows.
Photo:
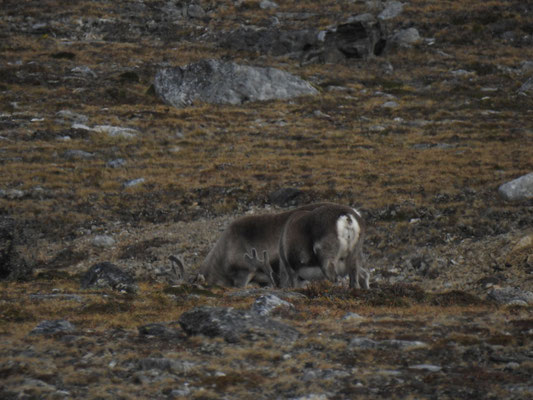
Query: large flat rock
(219,82)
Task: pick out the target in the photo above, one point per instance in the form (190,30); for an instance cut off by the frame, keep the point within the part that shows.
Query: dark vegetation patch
(141,250)
(185,290)
(68,257)
(455,298)
(111,307)
(15,313)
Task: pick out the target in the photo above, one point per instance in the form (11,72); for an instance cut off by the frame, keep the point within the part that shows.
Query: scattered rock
(254,292)
(285,197)
(164,330)
(58,296)
(264,305)
(518,189)
(267,5)
(392,10)
(523,244)
(234,325)
(165,364)
(77,155)
(351,316)
(12,265)
(107,275)
(426,367)
(103,241)
(526,67)
(195,11)
(363,343)
(116,131)
(219,82)
(84,71)
(52,327)
(119,162)
(406,37)
(511,296)
(366,343)
(527,87)
(133,182)
(12,194)
(390,104)
(70,116)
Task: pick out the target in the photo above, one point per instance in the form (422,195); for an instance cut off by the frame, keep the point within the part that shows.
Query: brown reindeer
(325,242)
(229,262)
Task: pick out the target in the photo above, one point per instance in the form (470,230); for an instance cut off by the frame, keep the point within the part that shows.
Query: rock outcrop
(107,275)
(234,325)
(220,82)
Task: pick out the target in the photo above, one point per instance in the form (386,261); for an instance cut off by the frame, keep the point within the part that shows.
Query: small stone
(116,131)
(67,115)
(264,305)
(518,189)
(77,155)
(511,296)
(351,316)
(390,104)
(363,343)
(119,162)
(392,10)
(133,182)
(426,367)
(165,364)
(103,241)
(266,5)
(12,194)
(195,11)
(406,37)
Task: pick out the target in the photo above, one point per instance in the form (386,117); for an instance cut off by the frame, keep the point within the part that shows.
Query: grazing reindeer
(326,242)
(229,263)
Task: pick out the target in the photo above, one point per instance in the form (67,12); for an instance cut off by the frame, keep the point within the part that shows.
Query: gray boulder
(518,189)
(264,305)
(107,275)
(220,82)
(52,327)
(392,10)
(405,37)
(511,296)
(234,325)
(12,265)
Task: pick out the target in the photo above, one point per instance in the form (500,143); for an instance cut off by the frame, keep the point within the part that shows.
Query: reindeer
(229,264)
(325,242)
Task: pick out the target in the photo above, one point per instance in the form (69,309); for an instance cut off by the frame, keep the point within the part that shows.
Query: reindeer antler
(260,264)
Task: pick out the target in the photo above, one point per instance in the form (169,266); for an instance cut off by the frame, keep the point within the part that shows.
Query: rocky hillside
(135,130)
